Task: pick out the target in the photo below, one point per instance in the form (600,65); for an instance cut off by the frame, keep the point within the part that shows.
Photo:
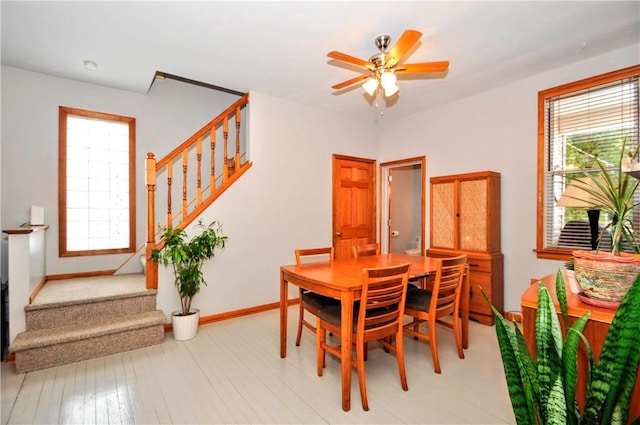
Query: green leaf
(556,409)
(548,344)
(529,372)
(516,382)
(618,363)
(570,367)
(561,294)
(188,256)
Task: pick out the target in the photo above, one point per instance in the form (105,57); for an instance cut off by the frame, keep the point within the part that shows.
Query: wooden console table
(595,331)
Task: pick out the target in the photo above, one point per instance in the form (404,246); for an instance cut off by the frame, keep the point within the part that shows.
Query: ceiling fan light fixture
(370,86)
(388,82)
(388,79)
(390,91)
(380,69)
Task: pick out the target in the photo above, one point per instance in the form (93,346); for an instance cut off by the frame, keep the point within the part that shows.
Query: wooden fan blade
(417,68)
(350,59)
(402,46)
(350,82)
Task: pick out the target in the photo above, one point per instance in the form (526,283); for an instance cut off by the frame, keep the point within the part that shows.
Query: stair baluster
(232,169)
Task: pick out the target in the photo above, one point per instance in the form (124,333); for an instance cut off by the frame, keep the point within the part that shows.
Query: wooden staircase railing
(190,152)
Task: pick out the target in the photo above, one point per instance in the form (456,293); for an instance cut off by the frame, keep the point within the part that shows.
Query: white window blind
(580,126)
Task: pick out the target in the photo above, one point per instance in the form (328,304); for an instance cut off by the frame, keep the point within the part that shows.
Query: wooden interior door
(354,203)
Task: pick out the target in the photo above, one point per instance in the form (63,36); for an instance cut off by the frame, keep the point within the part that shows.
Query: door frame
(385,168)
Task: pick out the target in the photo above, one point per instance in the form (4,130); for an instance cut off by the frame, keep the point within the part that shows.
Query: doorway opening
(402,225)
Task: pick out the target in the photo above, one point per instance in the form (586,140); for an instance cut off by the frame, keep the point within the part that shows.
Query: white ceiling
(280,48)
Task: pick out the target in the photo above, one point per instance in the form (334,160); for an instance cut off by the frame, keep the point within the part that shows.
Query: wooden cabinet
(465,218)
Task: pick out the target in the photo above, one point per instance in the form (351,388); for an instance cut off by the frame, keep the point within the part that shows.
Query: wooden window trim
(632,71)
(63,113)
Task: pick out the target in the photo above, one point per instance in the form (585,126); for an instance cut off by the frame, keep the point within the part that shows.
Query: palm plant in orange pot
(605,277)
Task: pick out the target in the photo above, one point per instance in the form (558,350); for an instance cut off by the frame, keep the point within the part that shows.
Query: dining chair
(378,317)
(365,249)
(431,306)
(310,301)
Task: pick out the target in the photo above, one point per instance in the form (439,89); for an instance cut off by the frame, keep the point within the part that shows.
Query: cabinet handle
(473,264)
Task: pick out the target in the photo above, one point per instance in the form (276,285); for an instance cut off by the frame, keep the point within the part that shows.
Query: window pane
(97,183)
(581,126)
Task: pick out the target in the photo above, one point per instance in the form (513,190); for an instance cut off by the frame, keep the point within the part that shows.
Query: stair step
(66,313)
(43,348)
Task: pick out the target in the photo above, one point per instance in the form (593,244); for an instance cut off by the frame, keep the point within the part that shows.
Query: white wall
(165,117)
(283,202)
(497,130)
(27,271)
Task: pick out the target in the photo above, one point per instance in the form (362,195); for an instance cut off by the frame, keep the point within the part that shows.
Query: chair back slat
(448,281)
(365,250)
(383,298)
(314,254)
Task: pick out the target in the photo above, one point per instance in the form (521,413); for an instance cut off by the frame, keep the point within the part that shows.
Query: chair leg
(416,328)
(434,345)
(300,319)
(360,353)
(458,335)
(400,356)
(321,338)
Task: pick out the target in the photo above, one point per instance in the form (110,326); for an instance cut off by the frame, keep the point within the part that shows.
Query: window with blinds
(96,183)
(592,118)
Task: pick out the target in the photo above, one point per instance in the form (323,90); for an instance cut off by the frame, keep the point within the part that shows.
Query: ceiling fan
(383,66)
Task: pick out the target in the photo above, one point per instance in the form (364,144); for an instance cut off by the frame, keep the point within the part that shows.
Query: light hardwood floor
(232,373)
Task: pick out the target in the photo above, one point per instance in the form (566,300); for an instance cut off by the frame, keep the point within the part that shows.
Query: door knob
(338,233)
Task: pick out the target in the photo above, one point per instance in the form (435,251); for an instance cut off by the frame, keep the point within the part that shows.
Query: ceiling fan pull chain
(379,103)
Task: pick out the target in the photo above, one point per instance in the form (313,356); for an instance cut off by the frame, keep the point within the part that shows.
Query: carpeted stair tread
(45,337)
(105,310)
(77,319)
(35,307)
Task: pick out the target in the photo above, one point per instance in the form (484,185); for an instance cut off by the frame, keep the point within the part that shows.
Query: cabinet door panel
(443,215)
(477,303)
(473,215)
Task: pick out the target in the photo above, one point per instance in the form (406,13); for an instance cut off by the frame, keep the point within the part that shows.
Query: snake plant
(543,390)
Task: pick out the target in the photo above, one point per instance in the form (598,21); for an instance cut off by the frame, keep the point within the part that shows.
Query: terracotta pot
(185,327)
(604,276)
(573,283)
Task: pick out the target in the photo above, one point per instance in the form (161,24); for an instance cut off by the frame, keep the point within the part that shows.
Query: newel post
(150,180)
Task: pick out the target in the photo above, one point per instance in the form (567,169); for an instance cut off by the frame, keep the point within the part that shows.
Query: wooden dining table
(342,280)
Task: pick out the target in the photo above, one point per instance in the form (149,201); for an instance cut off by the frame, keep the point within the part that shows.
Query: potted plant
(606,277)
(187,257)
(542,390)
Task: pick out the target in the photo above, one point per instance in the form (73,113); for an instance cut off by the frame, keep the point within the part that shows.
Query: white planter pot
(185,327)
